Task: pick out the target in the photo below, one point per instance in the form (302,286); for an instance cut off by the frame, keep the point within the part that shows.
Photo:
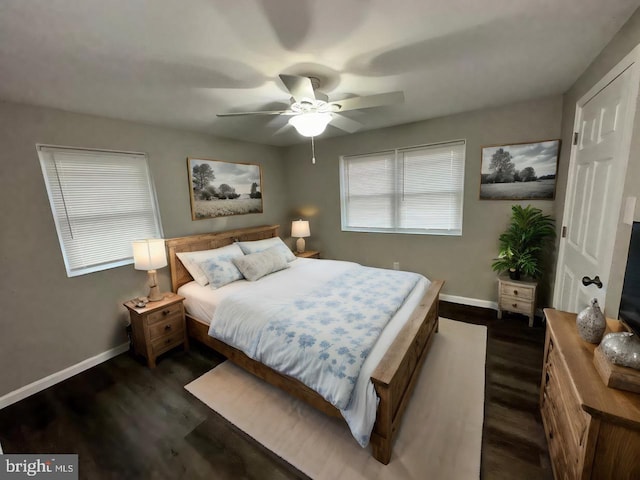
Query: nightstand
(158,327)
(517,296)
(308,254)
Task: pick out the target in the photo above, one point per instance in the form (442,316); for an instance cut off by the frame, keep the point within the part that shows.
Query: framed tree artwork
(220,189)
(520,171)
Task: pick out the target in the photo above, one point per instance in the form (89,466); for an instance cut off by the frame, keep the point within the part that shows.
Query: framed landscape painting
(221,189)
(521,171)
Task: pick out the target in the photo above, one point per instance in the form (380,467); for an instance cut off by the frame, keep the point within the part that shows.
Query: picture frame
(520,171)
(219,188)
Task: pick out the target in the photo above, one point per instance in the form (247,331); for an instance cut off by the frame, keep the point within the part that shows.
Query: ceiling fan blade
(282,129)
(300,87)
(356,103)
(344,123)
(264,112)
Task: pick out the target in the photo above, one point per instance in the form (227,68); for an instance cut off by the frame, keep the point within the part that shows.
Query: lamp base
(154,291)
(154,294)
(300,245)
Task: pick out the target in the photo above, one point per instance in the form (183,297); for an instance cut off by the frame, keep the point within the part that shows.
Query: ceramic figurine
(591,323)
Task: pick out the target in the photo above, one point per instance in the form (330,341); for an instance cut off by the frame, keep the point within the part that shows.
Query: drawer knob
(514,304)
(166,312)
(167,341)
(546,378)
(167,328)
(515,292)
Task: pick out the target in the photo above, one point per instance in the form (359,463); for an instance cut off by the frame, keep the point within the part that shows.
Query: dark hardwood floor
(513,441)
(128,422)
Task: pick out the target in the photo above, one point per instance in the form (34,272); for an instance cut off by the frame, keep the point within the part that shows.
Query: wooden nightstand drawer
(172,324)
(514,304)
(167,342)
(511,290)
(165,313)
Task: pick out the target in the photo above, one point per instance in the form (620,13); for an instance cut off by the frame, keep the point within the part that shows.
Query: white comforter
(243,318)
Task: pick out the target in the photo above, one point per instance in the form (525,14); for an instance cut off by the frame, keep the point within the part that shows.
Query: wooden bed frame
(394,377)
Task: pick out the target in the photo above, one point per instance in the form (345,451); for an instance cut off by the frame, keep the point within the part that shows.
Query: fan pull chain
(313,151)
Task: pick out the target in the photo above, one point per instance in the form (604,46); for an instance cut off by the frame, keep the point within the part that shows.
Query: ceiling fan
(311,111)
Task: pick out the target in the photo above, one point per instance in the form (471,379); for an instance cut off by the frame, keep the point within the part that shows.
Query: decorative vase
(622,349)
(514,274)
(591,323)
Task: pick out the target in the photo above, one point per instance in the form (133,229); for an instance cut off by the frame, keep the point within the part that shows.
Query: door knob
(586,281)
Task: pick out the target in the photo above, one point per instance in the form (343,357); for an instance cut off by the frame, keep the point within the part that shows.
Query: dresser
(158,327)
(517,296)
(593,431)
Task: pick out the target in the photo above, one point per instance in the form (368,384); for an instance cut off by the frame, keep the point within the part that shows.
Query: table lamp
(300,229)
(149,255)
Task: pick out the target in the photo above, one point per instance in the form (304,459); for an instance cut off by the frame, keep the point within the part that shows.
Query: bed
(394,376)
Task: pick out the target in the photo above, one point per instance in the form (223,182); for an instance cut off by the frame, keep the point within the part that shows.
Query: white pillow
(261,245)
(192,260)
(256,265)
(219,268)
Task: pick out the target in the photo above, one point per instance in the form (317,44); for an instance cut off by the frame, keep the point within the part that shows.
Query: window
(101,201)
(406,190)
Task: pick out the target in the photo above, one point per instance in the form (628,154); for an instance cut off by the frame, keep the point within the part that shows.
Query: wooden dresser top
(596,398)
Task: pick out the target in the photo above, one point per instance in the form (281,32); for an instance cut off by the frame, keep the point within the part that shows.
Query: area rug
(440,436)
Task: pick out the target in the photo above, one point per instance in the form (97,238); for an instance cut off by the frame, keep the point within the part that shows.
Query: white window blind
(101,201)
(406,190)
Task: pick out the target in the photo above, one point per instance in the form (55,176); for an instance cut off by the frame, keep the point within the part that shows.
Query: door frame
(630,61)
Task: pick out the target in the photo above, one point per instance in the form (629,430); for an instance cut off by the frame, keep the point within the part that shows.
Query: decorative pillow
(256,265)
(219,268)
(191,261)
(261,245)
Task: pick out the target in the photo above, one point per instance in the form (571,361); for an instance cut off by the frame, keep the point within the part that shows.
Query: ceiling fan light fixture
(310,124)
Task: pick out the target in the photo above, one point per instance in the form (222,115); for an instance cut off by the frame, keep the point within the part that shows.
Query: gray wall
(48,321)
(624,41)
(464,262)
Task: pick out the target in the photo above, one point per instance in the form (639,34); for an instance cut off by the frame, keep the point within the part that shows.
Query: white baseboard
(46,382)
(474,302)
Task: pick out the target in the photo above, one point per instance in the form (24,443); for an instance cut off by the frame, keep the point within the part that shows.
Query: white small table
(517,296)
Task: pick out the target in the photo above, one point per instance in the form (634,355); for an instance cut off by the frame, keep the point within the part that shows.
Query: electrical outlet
(396,265)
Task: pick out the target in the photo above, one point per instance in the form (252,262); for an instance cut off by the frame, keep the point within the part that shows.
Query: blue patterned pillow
(261,245)
(219,267)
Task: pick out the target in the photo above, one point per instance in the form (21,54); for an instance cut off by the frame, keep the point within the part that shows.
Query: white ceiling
(180,62)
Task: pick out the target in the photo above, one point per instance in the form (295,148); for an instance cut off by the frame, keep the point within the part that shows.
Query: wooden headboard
(207,241)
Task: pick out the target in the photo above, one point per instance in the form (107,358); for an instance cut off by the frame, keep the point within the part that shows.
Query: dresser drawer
(171,324)
(564,426)
(170,310)
(518,291)
(167,342)
(515,304)
(554,438)
(576,417)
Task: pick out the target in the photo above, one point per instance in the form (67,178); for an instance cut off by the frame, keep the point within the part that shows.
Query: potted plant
(522,244)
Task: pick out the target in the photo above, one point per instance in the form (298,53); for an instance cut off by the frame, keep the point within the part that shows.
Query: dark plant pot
(514,274)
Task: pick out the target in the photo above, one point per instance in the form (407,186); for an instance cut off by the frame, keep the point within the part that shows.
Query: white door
(604,121)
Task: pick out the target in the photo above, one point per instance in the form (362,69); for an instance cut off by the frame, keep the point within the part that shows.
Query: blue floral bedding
(320,336)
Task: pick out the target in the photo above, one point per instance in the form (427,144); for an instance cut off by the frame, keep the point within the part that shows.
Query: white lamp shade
(310,124)
(300,229)
(149,254)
